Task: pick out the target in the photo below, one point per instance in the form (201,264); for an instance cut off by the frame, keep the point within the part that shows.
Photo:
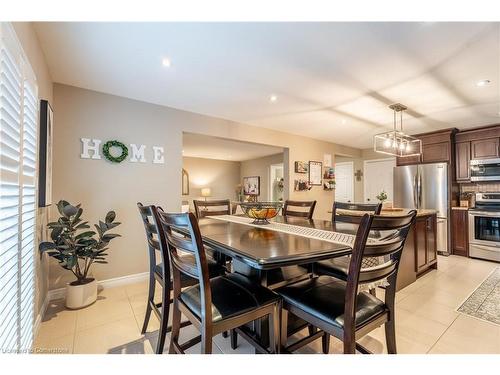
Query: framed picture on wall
(301,167)
(315,173)
(185,182)
(251,185)
(45,157)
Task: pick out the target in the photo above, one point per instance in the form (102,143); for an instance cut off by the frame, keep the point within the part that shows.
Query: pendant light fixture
(395,142)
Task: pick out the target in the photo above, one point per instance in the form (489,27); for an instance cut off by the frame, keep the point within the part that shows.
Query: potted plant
(77,252)
(382,196)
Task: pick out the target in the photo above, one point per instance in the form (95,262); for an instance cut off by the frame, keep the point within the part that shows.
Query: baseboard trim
(103,284)
(41,314)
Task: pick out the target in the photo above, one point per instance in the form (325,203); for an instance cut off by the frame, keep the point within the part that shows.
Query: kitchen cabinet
(437,147)
(420,251)
(460,232)
(462,164)
(485,148)
(425,243)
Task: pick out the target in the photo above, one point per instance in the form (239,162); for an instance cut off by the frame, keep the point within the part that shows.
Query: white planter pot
(78,296)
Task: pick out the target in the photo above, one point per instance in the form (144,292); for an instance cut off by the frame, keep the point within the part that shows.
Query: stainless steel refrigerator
(425,186)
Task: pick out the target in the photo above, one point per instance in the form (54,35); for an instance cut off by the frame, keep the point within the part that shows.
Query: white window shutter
(18,158)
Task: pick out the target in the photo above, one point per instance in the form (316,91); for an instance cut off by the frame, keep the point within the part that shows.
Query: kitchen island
(420,252)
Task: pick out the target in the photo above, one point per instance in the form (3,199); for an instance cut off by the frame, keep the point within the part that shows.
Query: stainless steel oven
(485,170)
(484,227)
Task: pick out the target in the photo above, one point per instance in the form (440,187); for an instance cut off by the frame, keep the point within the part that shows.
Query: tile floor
(426,320)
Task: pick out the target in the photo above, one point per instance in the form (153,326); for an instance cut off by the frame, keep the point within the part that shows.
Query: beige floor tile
(414,328)
(54,345)
(469,336)
(137,288)
(104,311)
(119,336)
(429,307)
(112,293)
(57,321)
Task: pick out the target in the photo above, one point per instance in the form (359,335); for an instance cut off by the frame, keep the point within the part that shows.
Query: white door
(378,176)
(276,182)
(344,182)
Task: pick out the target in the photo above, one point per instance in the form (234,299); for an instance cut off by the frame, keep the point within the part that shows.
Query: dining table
(274,258)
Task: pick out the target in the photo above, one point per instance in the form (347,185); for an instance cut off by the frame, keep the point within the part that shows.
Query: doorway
(276,182)
(344,182)
(379,177)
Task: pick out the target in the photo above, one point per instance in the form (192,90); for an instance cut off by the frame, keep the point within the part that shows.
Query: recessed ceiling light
(273,98)
(166,62)
(483,82)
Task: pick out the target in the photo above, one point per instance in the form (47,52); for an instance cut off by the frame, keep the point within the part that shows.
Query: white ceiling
(202,146)
(333,81)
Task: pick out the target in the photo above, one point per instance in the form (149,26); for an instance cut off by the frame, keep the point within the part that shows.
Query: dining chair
(336,307)
(159,272)
(307,208)
(352,212)
(338,267)
(213,305)
(212,208)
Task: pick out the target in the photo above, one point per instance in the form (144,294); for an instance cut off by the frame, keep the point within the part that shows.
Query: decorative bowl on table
(261,212)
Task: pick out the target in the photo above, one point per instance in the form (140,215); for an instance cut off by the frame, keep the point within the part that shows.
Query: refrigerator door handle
(415,194)
(419,190)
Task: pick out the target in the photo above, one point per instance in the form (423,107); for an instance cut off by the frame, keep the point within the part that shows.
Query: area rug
(484,302)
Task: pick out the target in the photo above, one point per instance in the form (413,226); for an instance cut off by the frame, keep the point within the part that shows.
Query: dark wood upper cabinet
(485,148)
(459,233)
(436,147)
(462,165)
(437,152)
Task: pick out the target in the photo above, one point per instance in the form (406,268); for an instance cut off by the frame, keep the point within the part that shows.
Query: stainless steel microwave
(485,170)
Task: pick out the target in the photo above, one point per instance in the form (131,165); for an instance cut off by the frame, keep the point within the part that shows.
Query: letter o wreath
(111,158)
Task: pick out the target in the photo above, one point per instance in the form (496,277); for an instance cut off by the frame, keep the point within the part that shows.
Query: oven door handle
(484,213)
(484,247)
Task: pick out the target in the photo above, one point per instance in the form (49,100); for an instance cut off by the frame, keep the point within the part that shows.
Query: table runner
(318,234)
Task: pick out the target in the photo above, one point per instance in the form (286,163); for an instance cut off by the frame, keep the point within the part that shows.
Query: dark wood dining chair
(159,273)
(336,307)
(213,305)
(306,212)
(357,211)
(212,208)
(338,267)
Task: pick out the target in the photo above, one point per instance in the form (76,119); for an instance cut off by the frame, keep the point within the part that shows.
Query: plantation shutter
(18,154)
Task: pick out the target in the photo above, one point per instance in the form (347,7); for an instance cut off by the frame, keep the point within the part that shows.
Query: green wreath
(111,158)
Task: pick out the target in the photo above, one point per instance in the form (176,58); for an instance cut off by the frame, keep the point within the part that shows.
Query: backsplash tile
(490,187)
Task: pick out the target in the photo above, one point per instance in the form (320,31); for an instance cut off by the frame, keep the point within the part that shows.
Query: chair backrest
(358,210)
(308,214)
(183,236)
(393,231)
(212,207)
(155,238)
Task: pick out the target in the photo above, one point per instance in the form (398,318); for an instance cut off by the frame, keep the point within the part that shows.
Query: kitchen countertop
(391,212)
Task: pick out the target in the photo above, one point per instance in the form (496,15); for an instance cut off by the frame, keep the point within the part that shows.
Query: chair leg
(349,343)
(206,340)
(312,329)
(284,329)
(176,327)
(373,292)
(151,296)
(325,343)
(165,309)
(390,336)
(274,330)
(225,334)
(234,339)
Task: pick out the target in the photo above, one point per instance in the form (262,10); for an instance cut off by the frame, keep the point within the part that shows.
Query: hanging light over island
(396,142)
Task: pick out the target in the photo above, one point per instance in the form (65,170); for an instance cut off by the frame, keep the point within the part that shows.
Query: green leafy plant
(382,196)
(75,251)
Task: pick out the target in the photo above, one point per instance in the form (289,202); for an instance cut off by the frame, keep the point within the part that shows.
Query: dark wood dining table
(269,257)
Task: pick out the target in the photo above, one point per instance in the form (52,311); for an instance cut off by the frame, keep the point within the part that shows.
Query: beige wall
(101,186)
(221,176)
(29,41)
(261,167)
